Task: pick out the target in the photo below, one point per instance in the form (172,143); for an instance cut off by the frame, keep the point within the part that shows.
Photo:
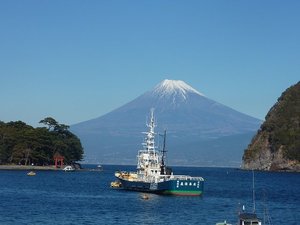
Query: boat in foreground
(247,218)
(153,175)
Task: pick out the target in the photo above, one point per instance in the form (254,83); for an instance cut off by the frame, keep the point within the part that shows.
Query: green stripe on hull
(182,192)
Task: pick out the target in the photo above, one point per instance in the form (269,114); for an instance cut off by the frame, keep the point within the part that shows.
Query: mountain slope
(276,145)
(188,116)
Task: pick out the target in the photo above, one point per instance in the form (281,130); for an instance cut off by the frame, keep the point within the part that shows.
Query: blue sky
(77,60)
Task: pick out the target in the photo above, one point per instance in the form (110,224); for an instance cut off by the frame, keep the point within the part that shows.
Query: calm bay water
(53,197)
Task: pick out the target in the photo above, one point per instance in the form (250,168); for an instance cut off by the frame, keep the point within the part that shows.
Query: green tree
(23,144)
(50,122)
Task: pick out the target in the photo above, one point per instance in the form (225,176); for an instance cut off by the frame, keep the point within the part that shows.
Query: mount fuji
(200,131)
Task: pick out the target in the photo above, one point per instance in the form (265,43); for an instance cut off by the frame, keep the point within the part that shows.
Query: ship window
(186,183)
(181,184)
(194,184)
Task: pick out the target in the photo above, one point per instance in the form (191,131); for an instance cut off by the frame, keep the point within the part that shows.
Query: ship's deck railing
(148,151)
(181,177)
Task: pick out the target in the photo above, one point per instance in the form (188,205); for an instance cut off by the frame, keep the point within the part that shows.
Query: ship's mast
(163,157)
(149,142)
(149,160)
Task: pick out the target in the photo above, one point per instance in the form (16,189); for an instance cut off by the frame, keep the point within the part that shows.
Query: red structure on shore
(59,160)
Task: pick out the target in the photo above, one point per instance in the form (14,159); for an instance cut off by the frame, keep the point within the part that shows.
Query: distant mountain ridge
(187,115)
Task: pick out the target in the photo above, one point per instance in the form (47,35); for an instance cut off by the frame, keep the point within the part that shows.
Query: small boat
(250,218)
(31,173)
(99,168)
(247,218)
(153,176)
(144,196)
(68,169)
(115,184)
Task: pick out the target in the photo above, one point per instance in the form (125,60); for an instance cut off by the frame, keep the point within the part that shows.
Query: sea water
(56,197)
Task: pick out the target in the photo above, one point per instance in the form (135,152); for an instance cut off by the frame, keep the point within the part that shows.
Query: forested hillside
(277,144)
(25,145)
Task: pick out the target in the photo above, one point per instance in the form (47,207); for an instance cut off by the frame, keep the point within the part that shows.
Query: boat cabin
(248,219)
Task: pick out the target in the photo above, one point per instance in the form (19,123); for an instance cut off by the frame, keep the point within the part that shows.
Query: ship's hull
(153,175)
(169,187)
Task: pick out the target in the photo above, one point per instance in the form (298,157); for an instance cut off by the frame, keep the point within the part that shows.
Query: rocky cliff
(276,146)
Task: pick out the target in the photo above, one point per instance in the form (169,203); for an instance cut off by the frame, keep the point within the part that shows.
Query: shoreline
(44,168)
(22,167)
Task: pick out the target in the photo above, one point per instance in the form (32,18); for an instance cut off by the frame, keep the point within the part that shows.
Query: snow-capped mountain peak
(194,123)
(169,87)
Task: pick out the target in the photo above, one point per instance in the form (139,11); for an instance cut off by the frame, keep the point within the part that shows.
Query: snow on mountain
(174,87)
(199,129)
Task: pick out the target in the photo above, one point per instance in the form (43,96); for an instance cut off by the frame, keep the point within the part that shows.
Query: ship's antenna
(253,191)
(164,149)
(163,156)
